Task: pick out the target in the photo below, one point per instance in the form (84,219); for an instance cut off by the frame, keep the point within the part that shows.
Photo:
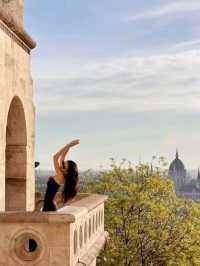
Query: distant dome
(177,172)
(176,165)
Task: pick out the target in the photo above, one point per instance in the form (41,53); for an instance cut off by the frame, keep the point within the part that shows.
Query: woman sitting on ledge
(67,174)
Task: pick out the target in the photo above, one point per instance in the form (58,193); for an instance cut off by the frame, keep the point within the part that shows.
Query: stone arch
(16,157)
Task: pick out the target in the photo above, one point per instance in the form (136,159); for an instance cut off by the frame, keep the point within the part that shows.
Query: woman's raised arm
(60,155)
(65,151)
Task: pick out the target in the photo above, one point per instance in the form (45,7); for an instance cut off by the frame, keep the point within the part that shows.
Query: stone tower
(17,111)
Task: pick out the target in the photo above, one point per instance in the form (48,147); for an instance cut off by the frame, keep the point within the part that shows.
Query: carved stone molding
(14,31)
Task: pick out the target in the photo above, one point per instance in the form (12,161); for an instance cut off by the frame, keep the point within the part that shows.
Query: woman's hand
(74,142)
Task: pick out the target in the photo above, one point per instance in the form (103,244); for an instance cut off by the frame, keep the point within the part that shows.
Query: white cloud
(167,9)
(187,45)
(151,83)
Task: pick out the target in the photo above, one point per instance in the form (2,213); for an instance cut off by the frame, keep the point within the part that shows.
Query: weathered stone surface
(17,124)
(89,258)
(11,22)
(62,238)
(14,9)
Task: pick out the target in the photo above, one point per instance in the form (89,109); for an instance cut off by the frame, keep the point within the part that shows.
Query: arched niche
(16,157)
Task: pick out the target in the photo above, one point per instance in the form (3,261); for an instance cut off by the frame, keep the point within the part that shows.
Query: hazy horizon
(124,79)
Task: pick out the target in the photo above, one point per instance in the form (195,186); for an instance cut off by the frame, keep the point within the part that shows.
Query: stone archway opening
(16,158)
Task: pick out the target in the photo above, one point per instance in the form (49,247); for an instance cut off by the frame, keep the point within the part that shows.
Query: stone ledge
(94,251)
(90,202)
(87,200)
(36,217)
(16,29)
(67,214)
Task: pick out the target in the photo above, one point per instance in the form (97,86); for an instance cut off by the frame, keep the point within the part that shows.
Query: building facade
(184,185)
(177,172)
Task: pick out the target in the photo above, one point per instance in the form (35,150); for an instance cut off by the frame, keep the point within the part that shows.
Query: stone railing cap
(67,214)
(36,217)
(90,202)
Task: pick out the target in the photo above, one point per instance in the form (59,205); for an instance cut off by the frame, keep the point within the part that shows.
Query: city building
(178,172)
(184,185)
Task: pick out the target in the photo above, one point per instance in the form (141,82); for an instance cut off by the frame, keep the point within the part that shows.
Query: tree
(147,223)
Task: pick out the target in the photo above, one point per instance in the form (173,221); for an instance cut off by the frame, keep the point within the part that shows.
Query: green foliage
(148,225)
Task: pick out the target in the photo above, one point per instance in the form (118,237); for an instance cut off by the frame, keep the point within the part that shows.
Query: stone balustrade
(72,236)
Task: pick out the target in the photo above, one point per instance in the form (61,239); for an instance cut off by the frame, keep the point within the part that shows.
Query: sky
(123,76)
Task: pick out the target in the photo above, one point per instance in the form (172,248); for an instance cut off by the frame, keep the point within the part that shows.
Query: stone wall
(51,241)
(16,88)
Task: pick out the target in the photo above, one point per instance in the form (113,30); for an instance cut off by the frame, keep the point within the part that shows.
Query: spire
(151,168)
(177,155)
(198,176)
(139,159)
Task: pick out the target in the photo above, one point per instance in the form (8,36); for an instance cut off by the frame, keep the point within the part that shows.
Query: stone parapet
(71,236)
(91,255)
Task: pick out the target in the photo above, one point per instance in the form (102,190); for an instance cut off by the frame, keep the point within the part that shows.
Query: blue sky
(123,76)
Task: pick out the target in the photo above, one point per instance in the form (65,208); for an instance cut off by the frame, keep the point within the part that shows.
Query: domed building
(186,184)
(177,172)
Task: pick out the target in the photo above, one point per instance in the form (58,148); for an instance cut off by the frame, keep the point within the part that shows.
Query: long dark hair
(71,183)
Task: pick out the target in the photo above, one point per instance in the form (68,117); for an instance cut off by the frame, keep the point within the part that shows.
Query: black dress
(52,188)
